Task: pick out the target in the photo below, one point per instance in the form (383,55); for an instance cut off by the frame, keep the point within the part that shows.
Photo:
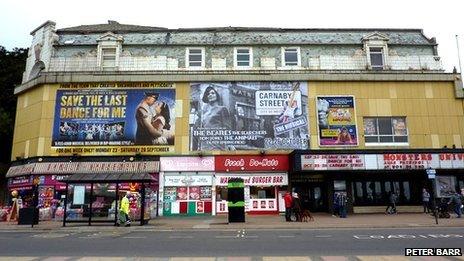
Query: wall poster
(336,117)
(113,121)
(248,115)
(445,186)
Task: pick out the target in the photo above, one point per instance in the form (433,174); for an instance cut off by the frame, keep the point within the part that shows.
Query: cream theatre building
(172,114)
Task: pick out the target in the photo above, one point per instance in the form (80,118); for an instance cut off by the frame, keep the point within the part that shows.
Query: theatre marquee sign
(393,161)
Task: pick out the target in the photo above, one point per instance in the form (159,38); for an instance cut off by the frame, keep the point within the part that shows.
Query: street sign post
(431,175)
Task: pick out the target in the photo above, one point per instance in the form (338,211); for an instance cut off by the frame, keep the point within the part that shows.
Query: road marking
(408,236)
(251,236)
(225,236)
(324,236)
(50,235)
(180,237)
(284,236)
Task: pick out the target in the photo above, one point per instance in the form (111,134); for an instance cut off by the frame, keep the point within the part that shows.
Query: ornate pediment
(109,36)
(375,36)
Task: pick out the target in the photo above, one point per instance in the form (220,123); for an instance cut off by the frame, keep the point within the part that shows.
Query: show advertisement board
(387,161)
(116,121)
(248,116)
(336,118)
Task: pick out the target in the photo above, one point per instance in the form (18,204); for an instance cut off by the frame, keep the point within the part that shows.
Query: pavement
(220,222)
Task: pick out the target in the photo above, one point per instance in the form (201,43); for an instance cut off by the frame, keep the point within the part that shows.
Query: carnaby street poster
(248,115)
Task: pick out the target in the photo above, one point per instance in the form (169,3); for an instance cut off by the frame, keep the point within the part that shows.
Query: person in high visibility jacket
(124,209)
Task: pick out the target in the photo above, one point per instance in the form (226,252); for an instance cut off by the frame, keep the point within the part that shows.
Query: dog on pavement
(306,216)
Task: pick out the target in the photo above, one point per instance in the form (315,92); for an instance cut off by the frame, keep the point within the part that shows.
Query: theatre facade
(173,121)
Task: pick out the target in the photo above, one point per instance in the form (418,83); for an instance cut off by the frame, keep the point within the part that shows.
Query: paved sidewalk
(322,221)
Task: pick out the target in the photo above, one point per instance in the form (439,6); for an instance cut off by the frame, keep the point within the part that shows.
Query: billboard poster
(336,119)
(113,121)
(445,186)
(248,116)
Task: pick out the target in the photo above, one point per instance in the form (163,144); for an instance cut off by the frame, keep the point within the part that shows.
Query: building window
(243,58)
(376,55)
(108,57)
(376,192)
(195,58)
(291,56)
(385,131)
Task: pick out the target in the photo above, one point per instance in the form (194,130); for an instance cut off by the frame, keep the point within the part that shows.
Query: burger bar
(265,178)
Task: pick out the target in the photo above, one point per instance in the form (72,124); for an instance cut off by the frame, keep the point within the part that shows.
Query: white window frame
(115,48)
(393,143)
(187,58)
(382,48)
(250,61)
(298,53)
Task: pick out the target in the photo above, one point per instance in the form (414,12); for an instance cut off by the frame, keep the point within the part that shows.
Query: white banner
(187,180)
(389,161)
(254,179)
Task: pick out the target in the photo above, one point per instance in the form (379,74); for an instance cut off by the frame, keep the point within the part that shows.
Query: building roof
(147,35)
(111,26)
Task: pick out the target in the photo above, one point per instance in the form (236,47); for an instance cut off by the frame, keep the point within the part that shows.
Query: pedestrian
(336,206)
(296,206)
(124,210)
(342,202)
(288,206)
(456,200)
(391,206)
(426,200)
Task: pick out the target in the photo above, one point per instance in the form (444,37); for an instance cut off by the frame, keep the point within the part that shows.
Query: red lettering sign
(252,163)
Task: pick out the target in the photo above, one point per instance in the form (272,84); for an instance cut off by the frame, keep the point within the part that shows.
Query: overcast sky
(441,19)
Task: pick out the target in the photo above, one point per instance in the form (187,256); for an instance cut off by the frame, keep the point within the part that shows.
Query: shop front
(95,191)
(187,185)
(265,179)
(368,177)
(44,180)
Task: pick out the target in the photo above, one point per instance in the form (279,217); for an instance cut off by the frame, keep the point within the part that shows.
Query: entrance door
(313,196)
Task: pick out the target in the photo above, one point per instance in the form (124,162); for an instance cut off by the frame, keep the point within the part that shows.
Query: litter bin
(28,215)
(236,200)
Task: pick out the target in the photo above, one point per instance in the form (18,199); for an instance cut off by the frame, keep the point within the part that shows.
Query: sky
(441,19)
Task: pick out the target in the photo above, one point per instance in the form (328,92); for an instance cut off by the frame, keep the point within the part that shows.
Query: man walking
(342,202)
(426,200)
(456,200)
(124,210)
(391,207)
(288,206)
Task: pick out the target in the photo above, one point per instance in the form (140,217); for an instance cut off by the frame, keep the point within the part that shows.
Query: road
(216,243)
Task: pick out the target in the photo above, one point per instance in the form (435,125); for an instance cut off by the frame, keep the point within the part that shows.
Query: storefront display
(370,177)
(187,185)
(264,177)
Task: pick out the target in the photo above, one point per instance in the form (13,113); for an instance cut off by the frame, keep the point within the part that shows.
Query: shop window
(406,192)
(262,192)
(291,56)
(339,185)
(376,58)
(359,192)
(78,202)
(378,192)
(195,58)
(375,192)
(103,201)
(243,58)
(385,131)
(387,191)
(221,193)
(370,191)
